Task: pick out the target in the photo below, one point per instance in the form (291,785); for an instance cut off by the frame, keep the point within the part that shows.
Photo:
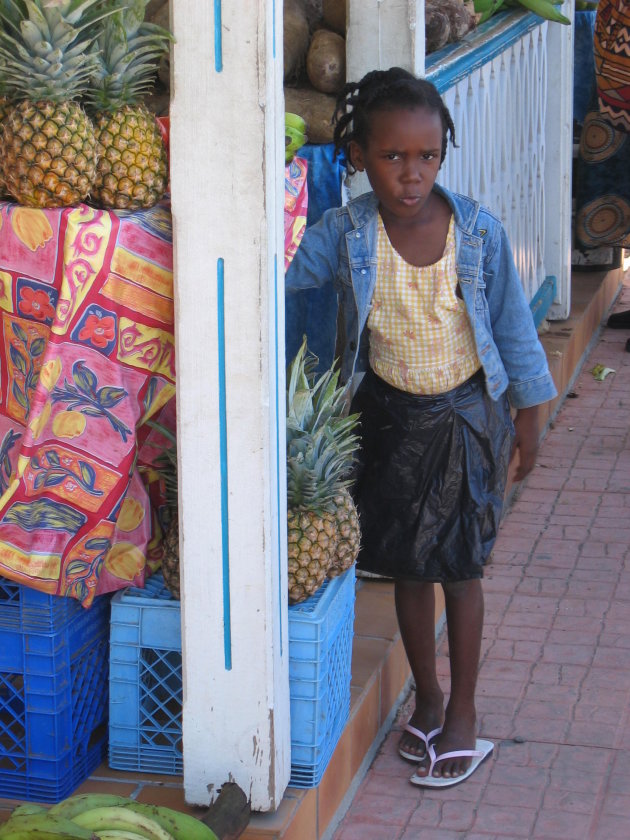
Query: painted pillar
(227,181)
(559,160)
(383,34)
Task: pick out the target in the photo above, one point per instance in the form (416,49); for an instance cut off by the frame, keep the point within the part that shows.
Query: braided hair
(384,90)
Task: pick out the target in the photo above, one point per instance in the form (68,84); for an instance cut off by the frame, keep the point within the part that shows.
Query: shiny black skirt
(430,479)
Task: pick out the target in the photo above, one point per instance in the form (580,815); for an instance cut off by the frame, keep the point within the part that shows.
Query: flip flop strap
(454,754)
(420,734)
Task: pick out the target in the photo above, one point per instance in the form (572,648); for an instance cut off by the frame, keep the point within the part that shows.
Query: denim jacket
(341,248)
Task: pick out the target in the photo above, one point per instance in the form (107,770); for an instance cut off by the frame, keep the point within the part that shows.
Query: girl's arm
(316,260)
(513,328)
(526,440)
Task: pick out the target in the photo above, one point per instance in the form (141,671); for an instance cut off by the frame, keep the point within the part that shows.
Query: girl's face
(401,159)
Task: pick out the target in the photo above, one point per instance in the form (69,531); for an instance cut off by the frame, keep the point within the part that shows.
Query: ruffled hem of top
(425,381)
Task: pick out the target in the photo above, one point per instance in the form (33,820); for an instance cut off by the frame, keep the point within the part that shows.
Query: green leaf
(19,396)
(38,347)
(52,479)
(87,473)
(18,359)
(44,513)
(85,379)
(19,333)
(110,396)
(76,567)
(53,458)
(98,544)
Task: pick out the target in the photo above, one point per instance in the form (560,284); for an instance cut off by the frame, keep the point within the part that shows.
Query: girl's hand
(525,440)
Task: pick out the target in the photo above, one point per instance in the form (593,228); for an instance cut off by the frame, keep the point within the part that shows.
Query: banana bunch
(102,816)
(547,9)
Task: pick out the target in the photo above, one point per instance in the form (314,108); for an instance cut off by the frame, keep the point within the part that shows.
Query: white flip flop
(418,733)
(482,750)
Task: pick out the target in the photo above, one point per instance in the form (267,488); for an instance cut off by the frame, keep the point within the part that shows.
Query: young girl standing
(434,312)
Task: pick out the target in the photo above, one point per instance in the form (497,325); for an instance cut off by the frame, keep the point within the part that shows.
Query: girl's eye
(428,156)
(393,156)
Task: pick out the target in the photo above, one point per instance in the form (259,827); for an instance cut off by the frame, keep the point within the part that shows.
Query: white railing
(498,107)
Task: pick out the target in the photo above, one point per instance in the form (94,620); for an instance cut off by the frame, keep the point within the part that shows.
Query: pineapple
(132,169)
(166,464)
(48,150)
(323,534)
(5,108)
(349,533)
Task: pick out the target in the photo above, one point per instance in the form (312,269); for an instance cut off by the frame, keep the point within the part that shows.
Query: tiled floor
(554,687)
(536,589)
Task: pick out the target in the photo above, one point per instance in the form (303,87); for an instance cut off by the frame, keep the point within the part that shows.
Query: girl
(434,311)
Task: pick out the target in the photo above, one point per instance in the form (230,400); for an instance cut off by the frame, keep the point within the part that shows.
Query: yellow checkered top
(421,339)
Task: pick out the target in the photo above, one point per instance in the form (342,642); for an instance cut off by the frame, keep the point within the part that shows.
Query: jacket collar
(363,208)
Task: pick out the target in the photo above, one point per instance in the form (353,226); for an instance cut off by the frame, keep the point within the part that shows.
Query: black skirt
(430,480)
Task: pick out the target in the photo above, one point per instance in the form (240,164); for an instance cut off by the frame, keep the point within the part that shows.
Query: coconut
(334,15)
(295,38)
(326,61)
(315,108)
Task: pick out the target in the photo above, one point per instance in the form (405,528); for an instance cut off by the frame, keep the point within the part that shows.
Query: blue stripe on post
(225,542)
(280,445)
(273,19)
(218,40)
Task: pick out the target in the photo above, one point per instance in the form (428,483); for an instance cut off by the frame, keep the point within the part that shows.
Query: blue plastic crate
(53,706)
(145,691)
(145,683)
(28,610)
(321,629)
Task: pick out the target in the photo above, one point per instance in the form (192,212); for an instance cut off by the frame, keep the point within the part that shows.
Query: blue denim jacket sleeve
(512,326)
(316,261)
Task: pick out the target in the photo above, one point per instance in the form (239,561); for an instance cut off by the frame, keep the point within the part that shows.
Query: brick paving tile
(513,821)
(610,828)
(554,679)
(554,824)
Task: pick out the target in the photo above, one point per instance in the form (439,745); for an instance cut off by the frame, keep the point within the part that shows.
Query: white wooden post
(383,34)
(227,179)
(559,160)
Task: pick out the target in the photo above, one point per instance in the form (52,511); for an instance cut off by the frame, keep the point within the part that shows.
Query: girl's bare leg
(464,617)
(415,608)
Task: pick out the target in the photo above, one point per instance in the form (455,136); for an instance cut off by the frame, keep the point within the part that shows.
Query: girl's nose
(411,172)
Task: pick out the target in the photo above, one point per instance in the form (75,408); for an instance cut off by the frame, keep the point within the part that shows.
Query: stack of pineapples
(55,57)
(323,525)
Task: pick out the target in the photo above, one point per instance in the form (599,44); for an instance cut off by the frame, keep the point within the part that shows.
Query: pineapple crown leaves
(129,50)
(47,46)
(312,401)
(321,442)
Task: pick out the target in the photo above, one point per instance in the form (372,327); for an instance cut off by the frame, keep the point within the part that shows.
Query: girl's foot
(459,733)
(426,719)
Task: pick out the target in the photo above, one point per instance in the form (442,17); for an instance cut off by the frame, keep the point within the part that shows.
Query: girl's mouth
(410,200)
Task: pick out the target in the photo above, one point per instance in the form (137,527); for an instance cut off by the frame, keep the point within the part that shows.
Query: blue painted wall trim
(218,37)
(448,66)
(542,300)
(225,535)
(281,446)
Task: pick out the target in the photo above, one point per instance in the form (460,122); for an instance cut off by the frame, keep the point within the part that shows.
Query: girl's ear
(355,152)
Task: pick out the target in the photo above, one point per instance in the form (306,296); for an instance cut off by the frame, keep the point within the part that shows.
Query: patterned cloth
(602,172)
(86,300)
(421,340)
(612,61)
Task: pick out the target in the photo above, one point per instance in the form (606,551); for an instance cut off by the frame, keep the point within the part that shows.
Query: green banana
(117,834)
(74,805)
(486,8)
(181,826)
(116,817)
(543,8)
(43,827)
(27,808)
